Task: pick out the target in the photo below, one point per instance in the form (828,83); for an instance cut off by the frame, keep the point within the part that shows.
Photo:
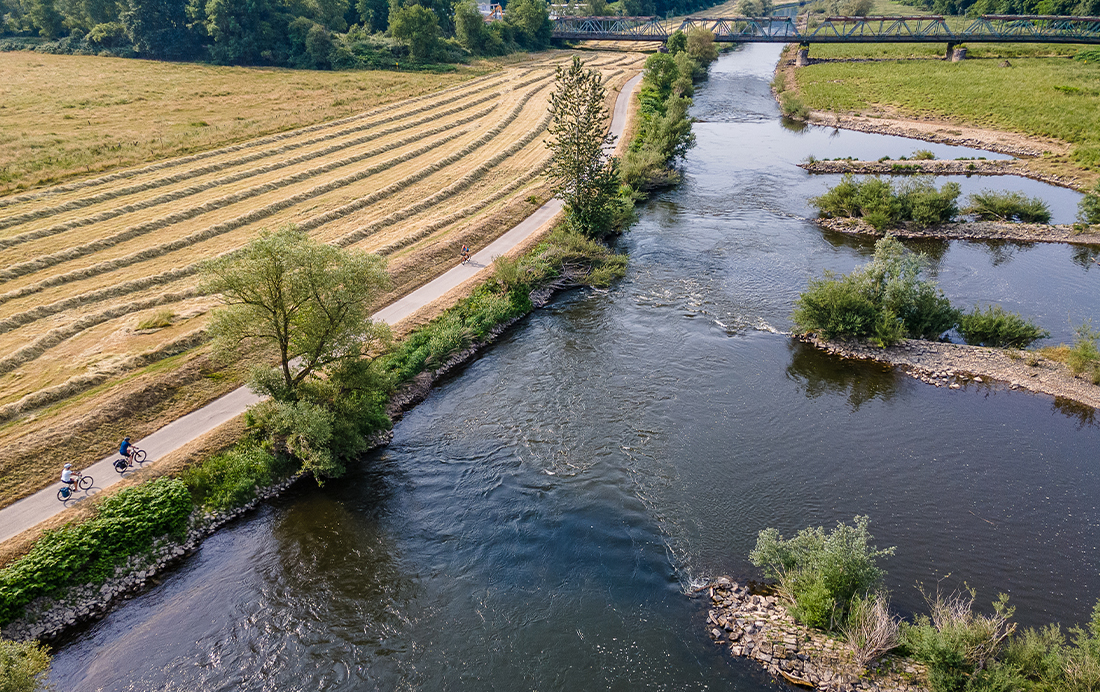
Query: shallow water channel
(536,521)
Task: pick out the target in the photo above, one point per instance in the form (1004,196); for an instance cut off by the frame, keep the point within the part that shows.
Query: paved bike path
(28,512)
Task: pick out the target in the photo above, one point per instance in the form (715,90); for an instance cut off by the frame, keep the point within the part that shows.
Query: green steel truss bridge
(776,29)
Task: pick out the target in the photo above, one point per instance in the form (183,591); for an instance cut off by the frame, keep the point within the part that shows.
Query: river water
(535,522)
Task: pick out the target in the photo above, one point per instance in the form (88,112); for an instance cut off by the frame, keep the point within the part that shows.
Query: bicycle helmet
(68,466)
(127,438)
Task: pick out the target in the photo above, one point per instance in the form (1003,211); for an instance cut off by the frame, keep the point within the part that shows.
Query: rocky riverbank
(759,628)
(975,230)
(960,366)
(939,167)
(49,618)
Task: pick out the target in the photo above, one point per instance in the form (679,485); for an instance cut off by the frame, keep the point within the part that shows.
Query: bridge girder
(914,29)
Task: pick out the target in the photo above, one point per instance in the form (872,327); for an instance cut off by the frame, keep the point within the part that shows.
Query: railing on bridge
(1037,27)
(621,28)
(915,29)
(744,29)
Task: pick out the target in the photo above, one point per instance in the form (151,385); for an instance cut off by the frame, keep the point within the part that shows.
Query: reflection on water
(1083,415)
(818,373)
(1004,251)
(1086,256)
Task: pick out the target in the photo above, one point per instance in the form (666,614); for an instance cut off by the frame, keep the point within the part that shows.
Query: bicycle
(83,482)
(138,455)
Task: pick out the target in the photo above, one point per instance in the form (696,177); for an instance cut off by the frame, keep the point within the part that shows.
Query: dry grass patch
(97,295)
(122,112)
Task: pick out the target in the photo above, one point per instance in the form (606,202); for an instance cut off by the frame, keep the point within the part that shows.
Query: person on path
(126,449)
(67,475)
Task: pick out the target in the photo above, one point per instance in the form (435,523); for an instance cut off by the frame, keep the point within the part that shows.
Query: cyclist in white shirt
(67,475)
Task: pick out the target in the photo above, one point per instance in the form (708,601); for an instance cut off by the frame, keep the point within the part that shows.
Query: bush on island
(996,327)
(883,206)
(821,573)
(991,205)
(885,300)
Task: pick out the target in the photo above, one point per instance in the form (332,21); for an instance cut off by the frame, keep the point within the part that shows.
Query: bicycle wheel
(63,494)
(84,483)
(120,465)
(139,456)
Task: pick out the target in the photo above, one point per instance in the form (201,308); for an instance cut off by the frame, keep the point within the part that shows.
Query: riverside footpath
(30,511)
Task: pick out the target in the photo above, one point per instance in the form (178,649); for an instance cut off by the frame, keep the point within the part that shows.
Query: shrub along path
(28,512)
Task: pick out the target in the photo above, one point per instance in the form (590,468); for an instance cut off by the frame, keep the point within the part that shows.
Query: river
(536,522)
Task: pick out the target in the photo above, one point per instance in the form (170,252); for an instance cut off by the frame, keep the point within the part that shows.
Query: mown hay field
(65,115)
(101,322)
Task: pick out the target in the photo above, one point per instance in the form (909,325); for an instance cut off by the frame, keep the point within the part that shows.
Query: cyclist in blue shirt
(126,449)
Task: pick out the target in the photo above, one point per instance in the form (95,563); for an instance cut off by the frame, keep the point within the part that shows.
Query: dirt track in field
(83,264)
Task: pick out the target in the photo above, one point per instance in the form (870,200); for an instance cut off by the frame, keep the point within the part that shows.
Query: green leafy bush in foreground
(884,300)
(883,205)
(230,479)
(991,205)
(954,641)
(831,581)
(124,525)
(996,327)
(24,666)
(821,573)
(967,651)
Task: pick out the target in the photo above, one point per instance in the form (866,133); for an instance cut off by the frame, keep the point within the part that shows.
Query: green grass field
(1042,92)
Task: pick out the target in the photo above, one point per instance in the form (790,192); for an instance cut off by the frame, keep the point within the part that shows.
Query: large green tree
(471,32)
(584,175)
(244,31)
(158,28)
(302,300)
(531,21)
(418,27)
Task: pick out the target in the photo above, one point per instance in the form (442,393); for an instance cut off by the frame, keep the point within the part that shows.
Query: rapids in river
(537,522)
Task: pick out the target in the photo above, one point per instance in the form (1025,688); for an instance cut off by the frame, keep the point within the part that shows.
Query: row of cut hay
(446,193)
(242,195)
(45,261)
(57,335)
(320,220)
(85,381)
(101,294)
(227,200)
(214,168)
(185,160)
(115,291)
(81,383)
(428,229)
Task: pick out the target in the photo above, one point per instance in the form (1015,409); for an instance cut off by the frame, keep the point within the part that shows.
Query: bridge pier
(955,53)
(803,58)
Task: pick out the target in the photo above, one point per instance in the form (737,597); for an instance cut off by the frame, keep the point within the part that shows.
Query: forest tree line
(976,8)
(312,34)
